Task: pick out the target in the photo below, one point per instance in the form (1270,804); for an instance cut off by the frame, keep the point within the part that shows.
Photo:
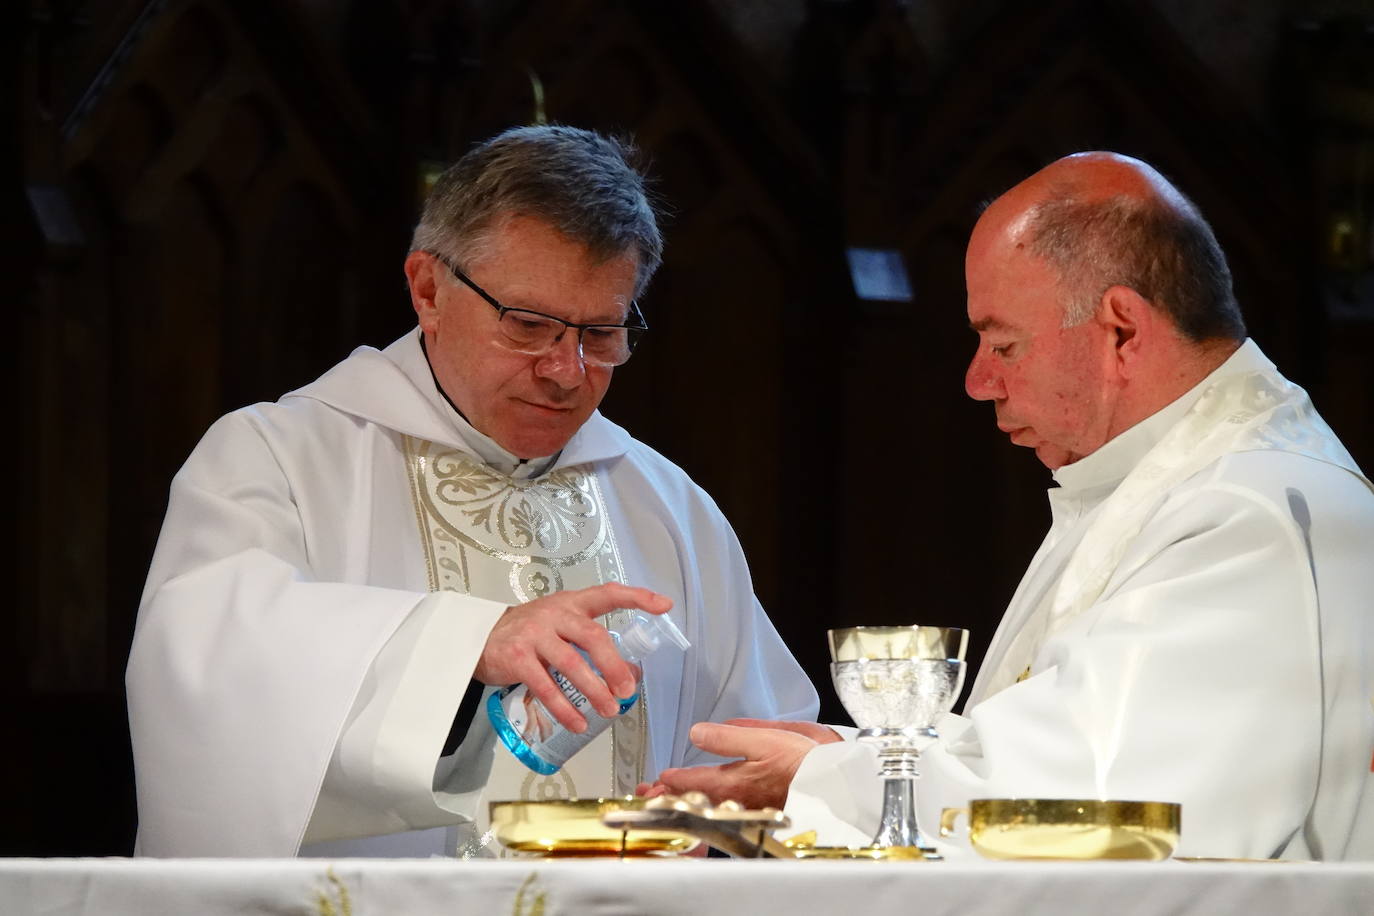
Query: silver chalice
(895,682)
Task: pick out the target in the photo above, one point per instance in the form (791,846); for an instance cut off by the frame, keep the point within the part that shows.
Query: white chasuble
(506,539)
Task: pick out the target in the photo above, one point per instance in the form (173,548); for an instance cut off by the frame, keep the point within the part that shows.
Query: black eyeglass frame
(631,340)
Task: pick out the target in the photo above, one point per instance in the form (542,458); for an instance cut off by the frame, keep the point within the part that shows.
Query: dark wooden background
(208,202)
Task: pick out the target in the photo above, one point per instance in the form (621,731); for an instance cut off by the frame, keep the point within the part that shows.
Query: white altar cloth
(209,887)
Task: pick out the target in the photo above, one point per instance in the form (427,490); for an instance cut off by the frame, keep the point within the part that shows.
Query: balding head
(1101,219)
(1098,176)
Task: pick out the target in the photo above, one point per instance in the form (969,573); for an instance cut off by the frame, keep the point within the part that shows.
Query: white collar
(412,361)
(1109,465)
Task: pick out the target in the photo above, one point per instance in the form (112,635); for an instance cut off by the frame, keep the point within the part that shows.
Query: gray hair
(1164,250)
(579,182)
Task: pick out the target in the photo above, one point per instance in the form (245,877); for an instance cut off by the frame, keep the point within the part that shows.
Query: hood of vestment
(394,388)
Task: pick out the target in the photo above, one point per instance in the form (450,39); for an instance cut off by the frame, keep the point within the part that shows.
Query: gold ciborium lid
(853,644)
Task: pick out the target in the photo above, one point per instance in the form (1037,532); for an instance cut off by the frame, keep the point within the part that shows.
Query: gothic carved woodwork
(216,268)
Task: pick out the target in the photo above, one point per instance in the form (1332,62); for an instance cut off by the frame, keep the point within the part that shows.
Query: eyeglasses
(535,333)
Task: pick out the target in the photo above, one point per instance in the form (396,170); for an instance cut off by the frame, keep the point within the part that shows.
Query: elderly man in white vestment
(1198,625)
(339,569)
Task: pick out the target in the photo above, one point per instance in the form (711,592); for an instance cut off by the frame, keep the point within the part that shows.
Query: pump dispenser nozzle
(645,633)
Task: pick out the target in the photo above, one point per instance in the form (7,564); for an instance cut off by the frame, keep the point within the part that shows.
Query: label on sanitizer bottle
(539,740)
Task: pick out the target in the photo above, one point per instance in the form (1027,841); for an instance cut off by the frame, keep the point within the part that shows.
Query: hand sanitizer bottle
(539,740)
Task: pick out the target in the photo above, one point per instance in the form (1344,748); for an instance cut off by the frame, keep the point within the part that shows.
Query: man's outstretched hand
(771,751)
(545,633)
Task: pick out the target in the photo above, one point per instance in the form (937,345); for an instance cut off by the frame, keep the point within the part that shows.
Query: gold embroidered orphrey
(518,540)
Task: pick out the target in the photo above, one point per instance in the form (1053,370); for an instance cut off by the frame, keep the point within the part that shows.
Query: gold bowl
(572,827)
(1064,828)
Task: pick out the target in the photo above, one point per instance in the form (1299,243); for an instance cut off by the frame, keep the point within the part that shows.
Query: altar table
(688,886)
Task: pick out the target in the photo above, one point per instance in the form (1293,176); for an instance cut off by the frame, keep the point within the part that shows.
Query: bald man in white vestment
(339,569)
(1198,625)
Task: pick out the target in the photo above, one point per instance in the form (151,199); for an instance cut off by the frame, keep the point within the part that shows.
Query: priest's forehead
(991,324)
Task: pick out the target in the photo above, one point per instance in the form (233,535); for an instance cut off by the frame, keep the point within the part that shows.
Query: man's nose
(982,381)
(562,364)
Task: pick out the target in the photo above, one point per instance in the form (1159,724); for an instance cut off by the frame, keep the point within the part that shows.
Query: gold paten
(573,827)
(875,853)
(1039,828)
(802,846)
(858,643)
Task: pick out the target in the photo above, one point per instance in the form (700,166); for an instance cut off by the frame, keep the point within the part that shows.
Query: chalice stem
(897,826)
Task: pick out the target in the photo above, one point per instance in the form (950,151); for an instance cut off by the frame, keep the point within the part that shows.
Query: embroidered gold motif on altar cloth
(492,536)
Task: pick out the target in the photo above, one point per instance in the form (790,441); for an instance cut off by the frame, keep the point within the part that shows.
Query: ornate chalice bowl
(895,682)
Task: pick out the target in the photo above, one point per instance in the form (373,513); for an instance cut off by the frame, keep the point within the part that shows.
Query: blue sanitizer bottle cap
(646,632)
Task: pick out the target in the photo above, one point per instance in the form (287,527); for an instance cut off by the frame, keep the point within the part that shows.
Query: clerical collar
(1110,464)
(488,449)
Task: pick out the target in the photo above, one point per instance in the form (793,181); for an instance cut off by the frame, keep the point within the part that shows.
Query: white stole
(496,537)
(1238,412)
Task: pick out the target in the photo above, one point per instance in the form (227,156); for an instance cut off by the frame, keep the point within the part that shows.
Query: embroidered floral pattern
(546,514)
(487,534)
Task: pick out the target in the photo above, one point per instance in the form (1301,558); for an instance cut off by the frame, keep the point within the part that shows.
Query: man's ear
(1129,319)
(424,287)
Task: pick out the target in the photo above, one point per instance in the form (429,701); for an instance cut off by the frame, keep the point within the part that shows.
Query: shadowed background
(209,201)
